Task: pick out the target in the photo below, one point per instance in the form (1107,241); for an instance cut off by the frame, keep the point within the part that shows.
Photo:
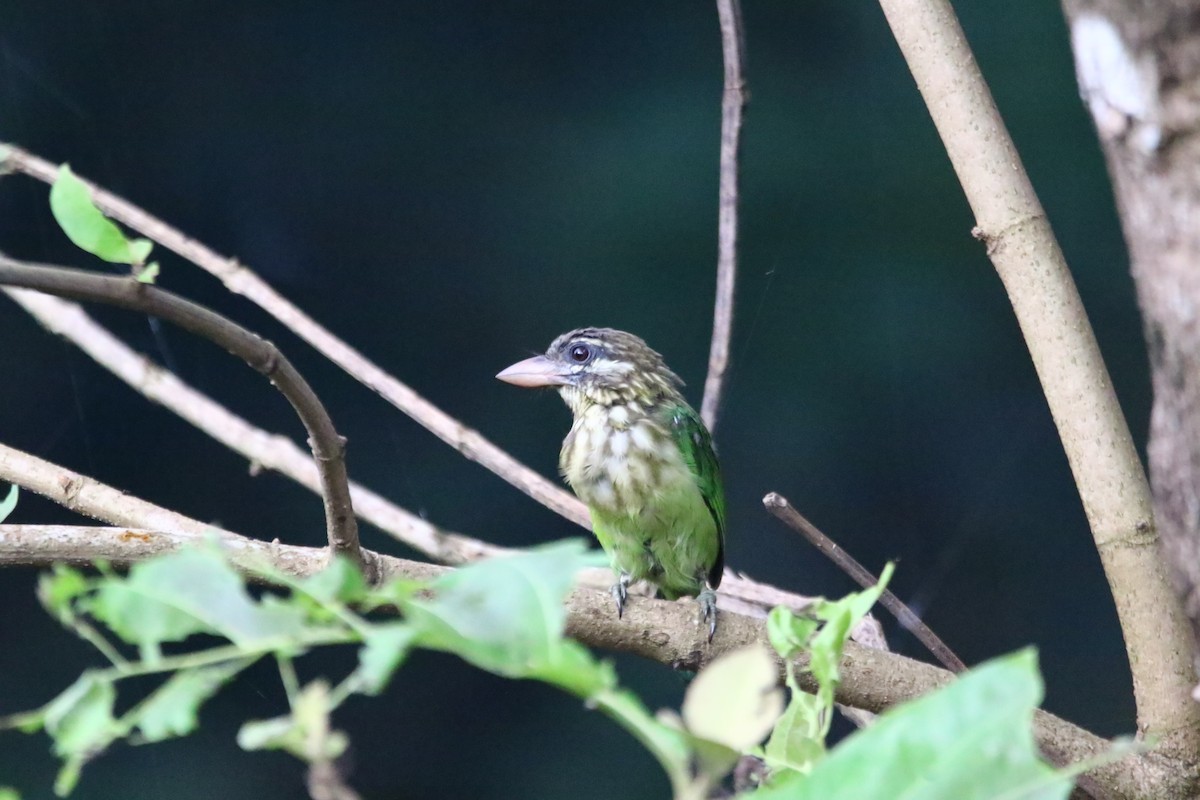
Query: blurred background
(449,186)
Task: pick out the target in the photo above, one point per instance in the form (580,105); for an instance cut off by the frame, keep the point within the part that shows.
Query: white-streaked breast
(623,468)
(643,438)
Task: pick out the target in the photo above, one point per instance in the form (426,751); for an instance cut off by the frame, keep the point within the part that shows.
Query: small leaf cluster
(970,740)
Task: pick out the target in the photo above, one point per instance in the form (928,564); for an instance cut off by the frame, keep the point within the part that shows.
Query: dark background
(450,185)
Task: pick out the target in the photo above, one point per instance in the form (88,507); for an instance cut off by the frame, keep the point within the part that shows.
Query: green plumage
(641,459)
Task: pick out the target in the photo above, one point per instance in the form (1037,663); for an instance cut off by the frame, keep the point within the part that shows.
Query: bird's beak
(536,371)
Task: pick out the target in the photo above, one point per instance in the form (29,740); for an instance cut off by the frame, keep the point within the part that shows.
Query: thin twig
(90,497)
(241,280)
(782,510)
(126,292)
(733,101)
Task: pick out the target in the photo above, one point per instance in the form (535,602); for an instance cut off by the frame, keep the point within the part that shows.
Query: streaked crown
(611,367)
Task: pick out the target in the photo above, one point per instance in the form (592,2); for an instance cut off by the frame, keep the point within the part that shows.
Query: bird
(642,461)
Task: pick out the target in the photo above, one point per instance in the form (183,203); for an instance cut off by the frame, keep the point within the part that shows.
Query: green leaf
(9,503)
(148,273)
(276,733)
(787,632)
(72,206)
(731,706)
(572,667)
(970,740)
(840,616)
(304,733)
(24,721)
(798,740)
(7,792)
(81,723)
(504,614)
(80,720)
(384,650)
(395,593)
(340,582)
(58,590)
(191,591)
(735,700)
(171,709)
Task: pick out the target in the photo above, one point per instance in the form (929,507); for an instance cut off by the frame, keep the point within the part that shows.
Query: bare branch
(90,497)
(262,449)
(325,782)
(240,280)
(779,506)
(271,451)
(733,101)
(659,630)
(1108,474)
(327,446)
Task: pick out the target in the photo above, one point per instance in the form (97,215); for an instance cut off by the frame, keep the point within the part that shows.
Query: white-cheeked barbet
(641,459)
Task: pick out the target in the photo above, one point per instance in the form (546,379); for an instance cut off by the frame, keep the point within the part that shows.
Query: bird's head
(598,366)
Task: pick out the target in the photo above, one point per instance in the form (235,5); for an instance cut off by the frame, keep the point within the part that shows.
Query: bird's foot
(707,600)
(619,591)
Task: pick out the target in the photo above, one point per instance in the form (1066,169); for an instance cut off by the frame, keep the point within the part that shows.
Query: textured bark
(1150,131)
(1139,70)
(1110,479)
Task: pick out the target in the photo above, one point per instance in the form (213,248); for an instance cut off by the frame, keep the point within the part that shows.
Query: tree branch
(241,280)
(264,450)
(1108,474)
(272,451)
(733,101)
(327,446)
(473,446)
(89,497)
(660,630)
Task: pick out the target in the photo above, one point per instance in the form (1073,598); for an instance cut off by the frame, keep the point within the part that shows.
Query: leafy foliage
(504,615)
(798,741)
(970,741)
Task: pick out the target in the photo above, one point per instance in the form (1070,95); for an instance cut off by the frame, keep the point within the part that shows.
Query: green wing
(696,444)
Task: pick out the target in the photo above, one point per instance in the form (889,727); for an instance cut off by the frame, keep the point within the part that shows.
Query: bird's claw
(708,610)
(619,591)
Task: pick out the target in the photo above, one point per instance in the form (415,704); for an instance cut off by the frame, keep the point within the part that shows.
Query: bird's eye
(580,353)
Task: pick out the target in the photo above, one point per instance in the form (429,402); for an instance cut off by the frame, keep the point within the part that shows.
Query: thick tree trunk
(1139,71)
